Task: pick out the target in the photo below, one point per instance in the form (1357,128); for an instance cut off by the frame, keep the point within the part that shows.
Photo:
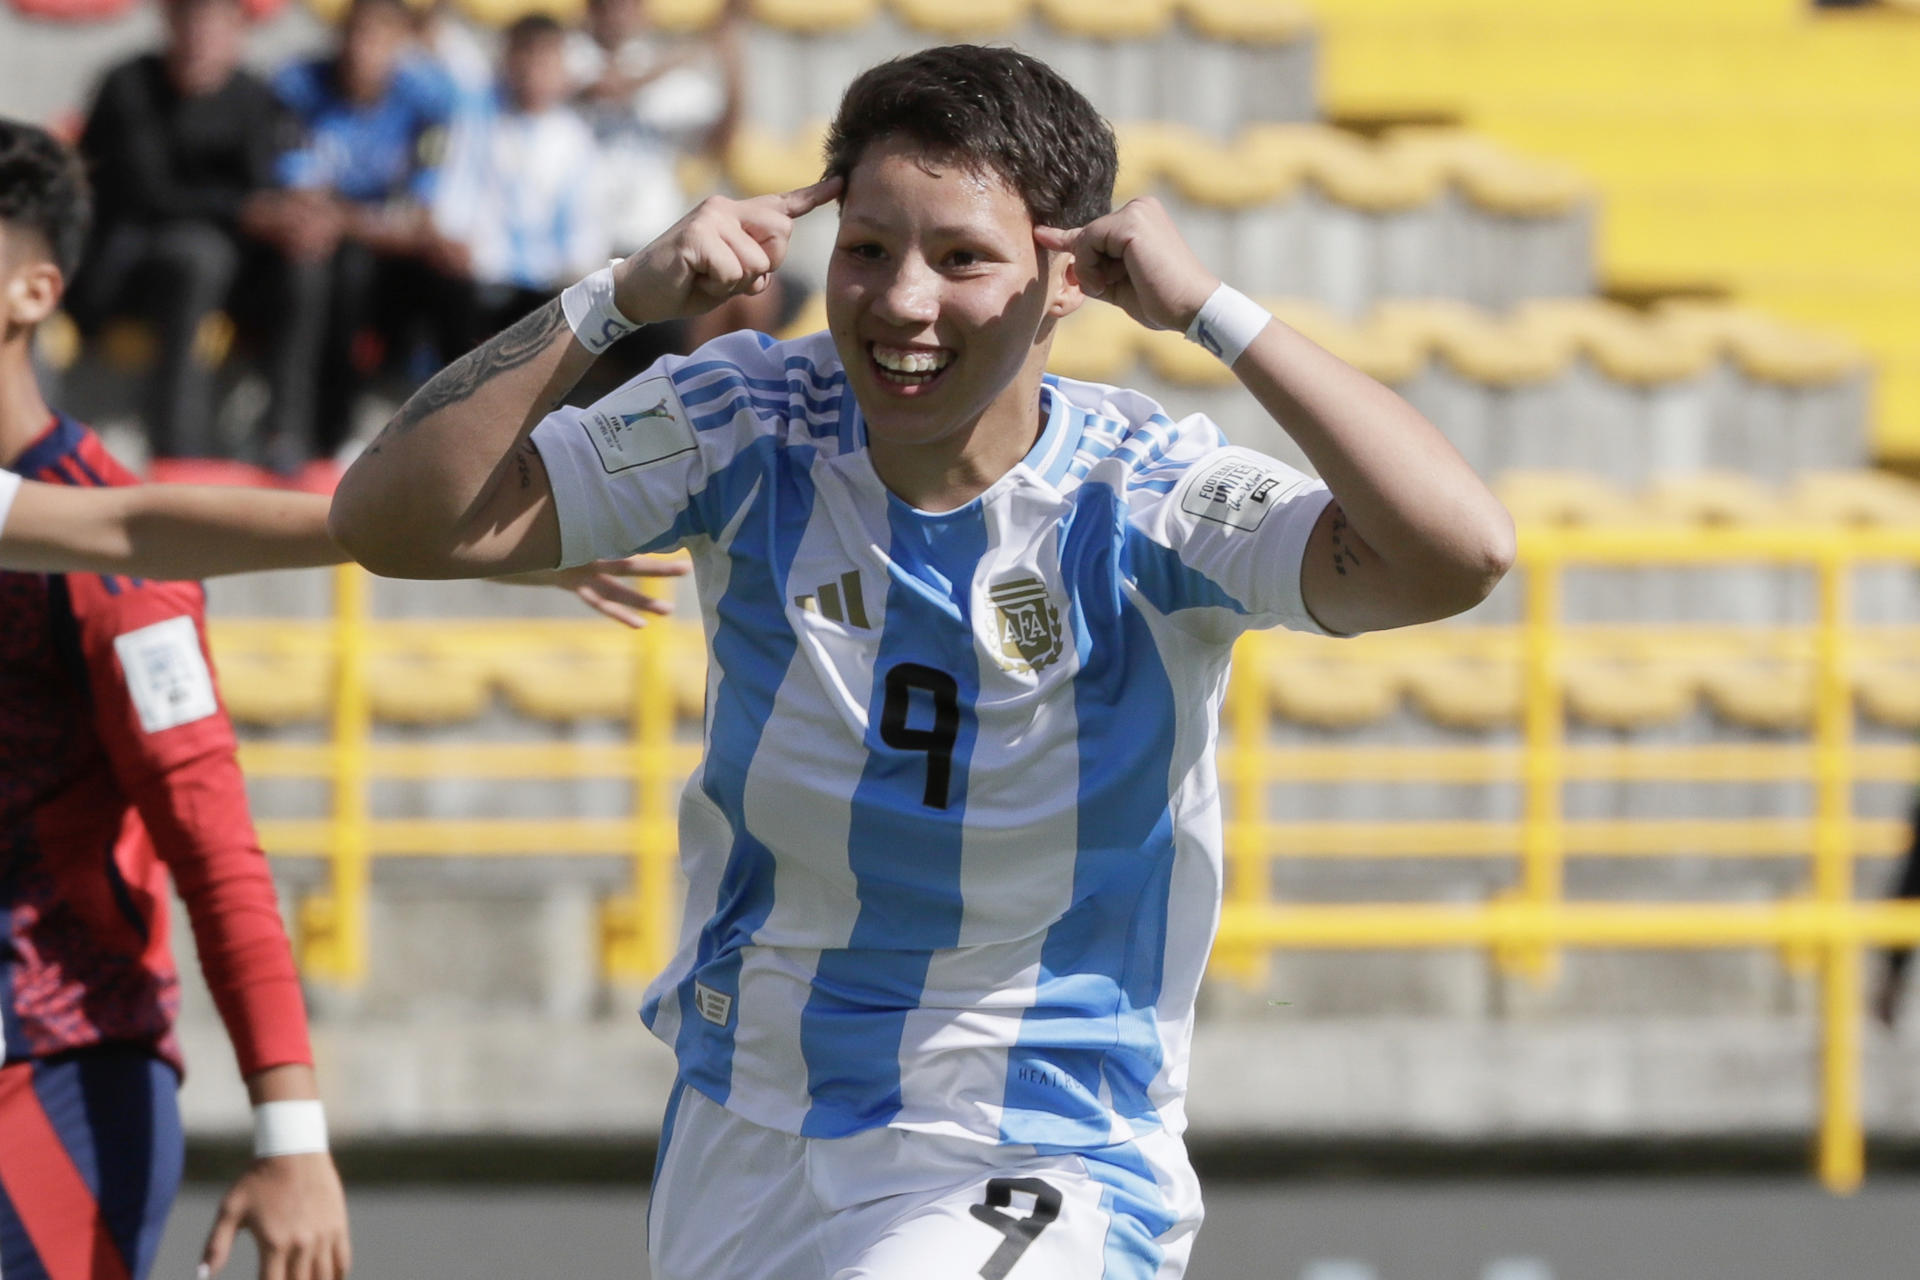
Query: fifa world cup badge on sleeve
(639,425)
(1235,490)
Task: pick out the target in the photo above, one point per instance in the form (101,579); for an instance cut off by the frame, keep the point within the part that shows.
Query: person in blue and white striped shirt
(953,851)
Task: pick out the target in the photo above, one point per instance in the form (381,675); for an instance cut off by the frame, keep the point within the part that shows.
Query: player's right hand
(720,249)
(297,1211)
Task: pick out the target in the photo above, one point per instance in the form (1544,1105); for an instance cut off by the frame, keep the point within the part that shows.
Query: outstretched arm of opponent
(1412,533)
(451,488)
(164,530)
(179,531)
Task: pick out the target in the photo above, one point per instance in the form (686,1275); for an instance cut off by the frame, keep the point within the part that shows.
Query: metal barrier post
(637,927)
(1542,837)
(1248,870)
(1842,1157)
(333,924)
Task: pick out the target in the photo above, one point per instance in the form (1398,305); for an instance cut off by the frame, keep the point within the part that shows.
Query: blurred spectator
(181,145)
(517,191)
(650,104)
(458,50)
(374,116)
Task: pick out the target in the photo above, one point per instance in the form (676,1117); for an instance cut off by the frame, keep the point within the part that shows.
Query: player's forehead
(899,184)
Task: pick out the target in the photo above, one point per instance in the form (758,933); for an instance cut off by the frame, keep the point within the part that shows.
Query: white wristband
(1227,323)
(289,1128)
(9,485)
(588,304)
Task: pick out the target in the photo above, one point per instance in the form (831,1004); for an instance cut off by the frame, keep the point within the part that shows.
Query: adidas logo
(839,601)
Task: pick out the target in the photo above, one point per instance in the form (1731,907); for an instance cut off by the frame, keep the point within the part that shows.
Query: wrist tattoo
(507,350)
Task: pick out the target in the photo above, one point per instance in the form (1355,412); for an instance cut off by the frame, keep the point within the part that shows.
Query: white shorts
(735,1201)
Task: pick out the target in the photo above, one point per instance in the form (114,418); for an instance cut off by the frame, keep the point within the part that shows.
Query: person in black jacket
(181,145)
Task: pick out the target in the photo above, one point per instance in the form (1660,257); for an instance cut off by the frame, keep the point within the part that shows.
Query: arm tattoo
(1342,555)
(520,460)
(509,349)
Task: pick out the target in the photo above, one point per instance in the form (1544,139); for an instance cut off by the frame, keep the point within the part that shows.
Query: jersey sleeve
(9,487)
(173,751)
(667,456)
(1234,524)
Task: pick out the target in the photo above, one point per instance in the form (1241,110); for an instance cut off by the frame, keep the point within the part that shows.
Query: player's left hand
(1136,259)
(297,1212)
(603,587)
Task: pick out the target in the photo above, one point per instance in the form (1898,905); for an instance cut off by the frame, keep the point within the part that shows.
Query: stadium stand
(1760,147)
(1685,724)
(1304,209)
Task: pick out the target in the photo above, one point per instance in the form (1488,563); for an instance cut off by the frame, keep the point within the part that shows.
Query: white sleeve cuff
(568,479)
(9,486)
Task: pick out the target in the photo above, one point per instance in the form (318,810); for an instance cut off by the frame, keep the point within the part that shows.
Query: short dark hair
(43,188)
(996,110)
(533,26)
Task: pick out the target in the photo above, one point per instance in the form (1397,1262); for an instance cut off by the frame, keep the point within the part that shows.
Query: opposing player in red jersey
(117,767)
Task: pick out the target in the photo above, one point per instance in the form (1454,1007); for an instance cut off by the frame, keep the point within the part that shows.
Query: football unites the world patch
(1236,490)
(640,424)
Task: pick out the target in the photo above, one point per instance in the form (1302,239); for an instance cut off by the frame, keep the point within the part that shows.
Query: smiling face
(939,305)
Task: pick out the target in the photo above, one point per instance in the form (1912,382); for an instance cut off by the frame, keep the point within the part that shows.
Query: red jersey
(117,764)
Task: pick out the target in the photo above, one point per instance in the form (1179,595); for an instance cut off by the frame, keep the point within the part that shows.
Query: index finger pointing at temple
(805,200)
(1057,239)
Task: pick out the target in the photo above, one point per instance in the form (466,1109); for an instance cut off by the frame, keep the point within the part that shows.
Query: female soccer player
(953,852)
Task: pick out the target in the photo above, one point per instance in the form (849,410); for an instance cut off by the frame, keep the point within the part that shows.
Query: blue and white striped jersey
(954,849)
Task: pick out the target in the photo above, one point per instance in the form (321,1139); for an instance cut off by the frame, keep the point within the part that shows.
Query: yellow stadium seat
(1109,19)
(1772,697)
(1628,696)
(1249,21)
(975,19)
(1472,696)
(1482,349)
(565,685)
(1710,498)
(1097,343)
(273,683)
(1561,498)
(435,684)
(684,15)
(1331,695)
(757,163)
(1855,497)
(1625,345)
(1889,692)
(1764,149)
(815,16)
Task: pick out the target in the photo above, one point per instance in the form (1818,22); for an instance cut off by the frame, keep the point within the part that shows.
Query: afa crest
(1026,624)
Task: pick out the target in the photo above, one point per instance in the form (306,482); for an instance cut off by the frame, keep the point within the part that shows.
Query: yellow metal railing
(1525,927)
